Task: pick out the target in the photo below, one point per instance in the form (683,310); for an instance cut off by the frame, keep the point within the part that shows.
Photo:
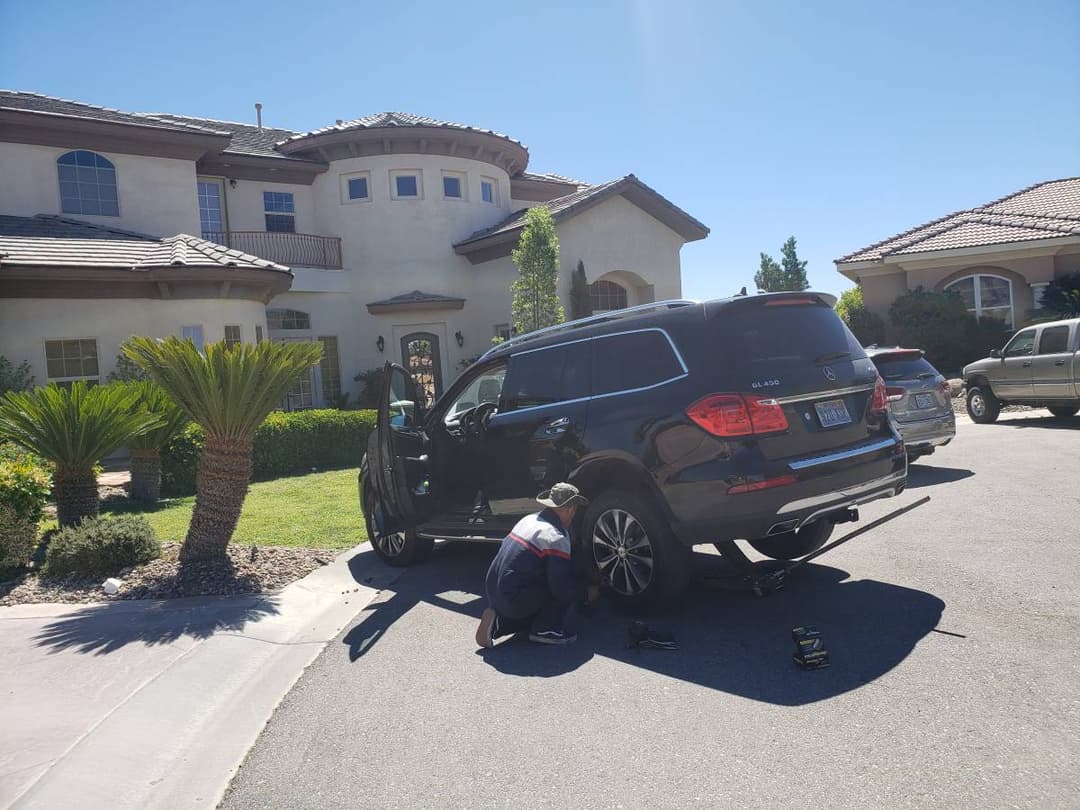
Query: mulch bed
(248,569)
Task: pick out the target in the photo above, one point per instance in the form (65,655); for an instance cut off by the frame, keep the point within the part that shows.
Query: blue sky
(838,122)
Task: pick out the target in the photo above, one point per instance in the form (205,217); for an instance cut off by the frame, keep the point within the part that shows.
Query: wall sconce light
(232,182)
(460,338)
(380,344)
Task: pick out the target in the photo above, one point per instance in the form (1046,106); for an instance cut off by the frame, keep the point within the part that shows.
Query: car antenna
(741,292)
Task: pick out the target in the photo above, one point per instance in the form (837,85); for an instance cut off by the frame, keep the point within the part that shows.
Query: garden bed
(249,569)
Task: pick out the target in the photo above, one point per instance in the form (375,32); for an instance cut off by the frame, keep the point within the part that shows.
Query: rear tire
(398,549)
(797,543)
(1063,411)
(632,549)
(982,406)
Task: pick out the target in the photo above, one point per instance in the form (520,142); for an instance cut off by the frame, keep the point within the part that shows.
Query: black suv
(753,417)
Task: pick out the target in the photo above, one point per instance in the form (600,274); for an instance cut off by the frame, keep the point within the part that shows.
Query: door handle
(557,426)
(1059,362)
(1027,364)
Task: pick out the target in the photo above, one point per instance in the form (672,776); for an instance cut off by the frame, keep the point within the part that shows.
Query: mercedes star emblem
(829,373)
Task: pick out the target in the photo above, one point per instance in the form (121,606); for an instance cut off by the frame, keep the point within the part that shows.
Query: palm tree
(74,429)
(146,447)
(228,392)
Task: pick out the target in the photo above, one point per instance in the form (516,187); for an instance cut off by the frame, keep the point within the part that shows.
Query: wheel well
(979,382)
(594,477)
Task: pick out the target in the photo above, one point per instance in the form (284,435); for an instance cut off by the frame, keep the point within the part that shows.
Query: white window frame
(66,380)
(189,330)
(494,190)
(240,330)
(463,185)
(503,330)
(979,309)
(60,194)
(396,173)
(345,178)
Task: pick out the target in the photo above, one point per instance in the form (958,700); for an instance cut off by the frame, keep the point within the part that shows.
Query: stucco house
(999,257)
(386,237)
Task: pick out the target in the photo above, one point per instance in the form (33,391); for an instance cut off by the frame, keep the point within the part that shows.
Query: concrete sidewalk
(154,704)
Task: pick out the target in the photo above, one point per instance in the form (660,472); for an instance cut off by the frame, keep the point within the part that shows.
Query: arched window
(87,184)
(986,296)
(607,295)
(287,319)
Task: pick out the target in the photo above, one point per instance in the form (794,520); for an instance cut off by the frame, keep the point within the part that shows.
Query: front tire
(796,543)
(1063,411)
(982,406)
(398,549)
(633,549)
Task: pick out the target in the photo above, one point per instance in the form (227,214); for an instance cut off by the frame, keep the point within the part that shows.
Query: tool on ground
(642,636)
(774,580)
(810,652)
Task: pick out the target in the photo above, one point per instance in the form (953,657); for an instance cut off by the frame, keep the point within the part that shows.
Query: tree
(867,326)
(1062,296)
(228,392)
(74,429)
(14,377)
(146,447)
(789,274)
(536,297)
(580,297)
(940,325)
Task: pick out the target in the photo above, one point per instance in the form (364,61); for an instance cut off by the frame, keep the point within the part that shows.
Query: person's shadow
(729,640)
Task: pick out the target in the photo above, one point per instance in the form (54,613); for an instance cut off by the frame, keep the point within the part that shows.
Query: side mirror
(995,353)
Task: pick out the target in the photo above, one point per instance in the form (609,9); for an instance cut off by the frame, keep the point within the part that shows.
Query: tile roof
(547,177)
(50,105)
(395,119)
(1042,211)
(247,139)
(54,241)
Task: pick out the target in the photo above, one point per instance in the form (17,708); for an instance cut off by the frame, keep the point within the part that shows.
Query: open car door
(397,449)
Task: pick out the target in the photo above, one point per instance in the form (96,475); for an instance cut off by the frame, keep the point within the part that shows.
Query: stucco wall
(26,323)
(157,195)
(245,211)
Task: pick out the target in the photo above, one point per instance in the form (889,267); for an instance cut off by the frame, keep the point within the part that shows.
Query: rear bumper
(928,433)
(705,512)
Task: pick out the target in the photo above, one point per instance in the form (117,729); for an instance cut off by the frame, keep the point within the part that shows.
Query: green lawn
(320,510)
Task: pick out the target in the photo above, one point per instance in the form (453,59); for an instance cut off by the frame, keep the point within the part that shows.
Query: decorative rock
(111,586)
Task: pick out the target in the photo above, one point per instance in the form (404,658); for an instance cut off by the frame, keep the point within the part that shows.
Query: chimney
(258,113)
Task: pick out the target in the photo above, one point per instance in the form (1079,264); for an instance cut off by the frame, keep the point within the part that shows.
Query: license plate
(832,413)
(924,400)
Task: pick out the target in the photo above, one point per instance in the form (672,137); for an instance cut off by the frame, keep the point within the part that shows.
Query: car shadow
(106,627)
(921,475)
(729,640)
(1044,422)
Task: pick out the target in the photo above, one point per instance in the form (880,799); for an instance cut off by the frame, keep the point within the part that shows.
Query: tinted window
(803,333)
(358,188)
(1054,340)
(903,366)
(407,185)
(636,360)
(87,184)
(1021,345)
(545,376)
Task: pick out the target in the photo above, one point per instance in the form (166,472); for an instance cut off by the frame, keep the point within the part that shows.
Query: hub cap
(978,406)
(623,552)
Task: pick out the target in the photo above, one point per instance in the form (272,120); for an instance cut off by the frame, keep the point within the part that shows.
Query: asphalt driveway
(955,679)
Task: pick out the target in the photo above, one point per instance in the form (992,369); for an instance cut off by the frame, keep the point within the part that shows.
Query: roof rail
(613,315)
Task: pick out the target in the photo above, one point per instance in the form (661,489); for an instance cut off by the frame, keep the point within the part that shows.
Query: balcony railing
(291,249)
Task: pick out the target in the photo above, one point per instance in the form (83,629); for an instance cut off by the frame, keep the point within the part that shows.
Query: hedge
(24,490)
(285,444)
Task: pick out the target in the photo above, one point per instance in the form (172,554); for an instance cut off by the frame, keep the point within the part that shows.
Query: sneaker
(552,637)
(488,629)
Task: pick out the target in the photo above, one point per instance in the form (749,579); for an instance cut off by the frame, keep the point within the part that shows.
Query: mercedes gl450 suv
(755,417)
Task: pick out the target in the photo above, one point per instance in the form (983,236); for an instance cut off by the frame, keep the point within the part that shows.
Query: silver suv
(920,400)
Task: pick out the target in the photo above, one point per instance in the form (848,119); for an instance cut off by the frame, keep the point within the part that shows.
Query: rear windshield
(903,367)
(804,333)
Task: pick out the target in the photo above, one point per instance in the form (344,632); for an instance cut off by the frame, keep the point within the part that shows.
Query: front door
(421,359)
(1052,366)
(396,452)
(1013,378)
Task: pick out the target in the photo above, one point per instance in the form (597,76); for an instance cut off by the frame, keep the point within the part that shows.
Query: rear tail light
(880,402)
(768,483)
(894,394)
(738,415)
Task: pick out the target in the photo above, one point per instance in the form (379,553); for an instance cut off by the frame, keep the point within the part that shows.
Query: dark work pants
(533,610)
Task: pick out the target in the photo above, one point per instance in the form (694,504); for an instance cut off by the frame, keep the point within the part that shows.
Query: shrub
(24,490)
(940,325)
(372,382)
(14,378)
(285,444)
(867,326)
(1062,296)
(101,546)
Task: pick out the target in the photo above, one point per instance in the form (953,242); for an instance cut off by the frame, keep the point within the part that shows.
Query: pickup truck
(1039,367)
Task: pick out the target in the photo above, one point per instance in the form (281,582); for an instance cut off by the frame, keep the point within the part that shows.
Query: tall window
(489,191)
(70,360)
(280,211)
(87,184)
(287,319)
(607,295)
(194,334)
(330,366)
(233,335)
(211,212)
(986,296)
(503,330)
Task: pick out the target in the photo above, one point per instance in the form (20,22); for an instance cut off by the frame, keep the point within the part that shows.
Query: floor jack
(762,585)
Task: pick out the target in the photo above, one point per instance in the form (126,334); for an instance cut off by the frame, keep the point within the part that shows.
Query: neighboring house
(999,257)
(385,238)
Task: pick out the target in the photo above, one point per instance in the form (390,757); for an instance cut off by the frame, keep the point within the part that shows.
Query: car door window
(403,407)
(632,361)
(485,387)
(1021,345)
(546,376)
(1054,340)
